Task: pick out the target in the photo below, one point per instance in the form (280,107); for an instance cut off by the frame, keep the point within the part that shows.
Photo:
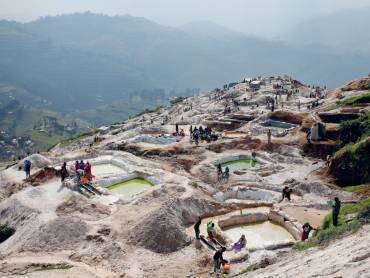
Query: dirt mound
(317,188)
(97,249)
(357,84)
(10,188)
(37,160)
(82,207)
(15,214)
(354,85)
(43,175)
(246,143)
(163,231)
(62,233)
(289,117)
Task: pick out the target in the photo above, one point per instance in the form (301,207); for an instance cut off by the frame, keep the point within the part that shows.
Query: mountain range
(84,61)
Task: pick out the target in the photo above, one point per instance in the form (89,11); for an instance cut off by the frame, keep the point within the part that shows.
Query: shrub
(177,100)
(352,131)
(5,232)
(365,98)
(350,165)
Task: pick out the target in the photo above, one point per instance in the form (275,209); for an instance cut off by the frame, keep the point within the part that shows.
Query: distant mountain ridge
(80,61)
(343,32)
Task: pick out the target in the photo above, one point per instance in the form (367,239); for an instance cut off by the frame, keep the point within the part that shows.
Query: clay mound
(360,84)
(9,189)
(357,85)
(38,161)
(43,175)
(246,143)
(163,231)
(288,117)
(82,207)
(62,233)
(15,214)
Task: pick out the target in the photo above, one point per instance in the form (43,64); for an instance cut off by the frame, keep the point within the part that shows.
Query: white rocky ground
(62,233)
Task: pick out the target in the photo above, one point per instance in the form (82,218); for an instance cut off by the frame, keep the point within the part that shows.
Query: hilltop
(150,184)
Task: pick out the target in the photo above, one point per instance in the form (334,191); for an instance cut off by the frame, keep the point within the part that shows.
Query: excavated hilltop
(150,185)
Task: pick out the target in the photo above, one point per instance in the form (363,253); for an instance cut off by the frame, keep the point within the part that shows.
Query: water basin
(242,164)
(130,188)
(106,170)
(259,235)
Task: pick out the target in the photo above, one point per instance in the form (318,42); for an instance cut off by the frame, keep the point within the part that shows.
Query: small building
(255,85)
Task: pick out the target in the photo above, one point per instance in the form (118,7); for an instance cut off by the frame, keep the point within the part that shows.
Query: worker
(219,171)
(227,173)
(196,228)
(269,137)
(336,210)
(306,229)
(64,172)
(218,260)
(82,165)
(27,168)
(211,231)
(240,244)
(286,193)
(88,171)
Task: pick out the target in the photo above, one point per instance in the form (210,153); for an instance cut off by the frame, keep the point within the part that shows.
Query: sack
(226,266)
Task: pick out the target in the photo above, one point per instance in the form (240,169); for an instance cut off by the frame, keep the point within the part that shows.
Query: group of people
(83,170)
(202,134)
(218,259)
(179,133)
(307,228)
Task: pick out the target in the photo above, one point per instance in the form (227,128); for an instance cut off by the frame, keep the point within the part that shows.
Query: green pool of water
(130,188)
(242,164)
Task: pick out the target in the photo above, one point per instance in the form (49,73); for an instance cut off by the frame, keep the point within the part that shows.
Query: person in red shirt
(88,171)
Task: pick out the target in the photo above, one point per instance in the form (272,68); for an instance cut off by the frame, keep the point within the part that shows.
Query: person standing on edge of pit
(64,172)
(27,168)
(286,193)
(191,132)
(269,137)
(177,129)
(82,165)
(336,210)
(218,260)
(196,228)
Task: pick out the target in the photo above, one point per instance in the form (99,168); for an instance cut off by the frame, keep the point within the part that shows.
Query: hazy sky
(266,18)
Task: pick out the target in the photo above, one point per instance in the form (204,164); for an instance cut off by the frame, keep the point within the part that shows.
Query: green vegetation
(67,142)
(177,100)
(5,232)
(355,188)
(327,232)
(365,98)
(350,164)
(146,111)
(248,269)
(194,184)
(354,130)
(53,267)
